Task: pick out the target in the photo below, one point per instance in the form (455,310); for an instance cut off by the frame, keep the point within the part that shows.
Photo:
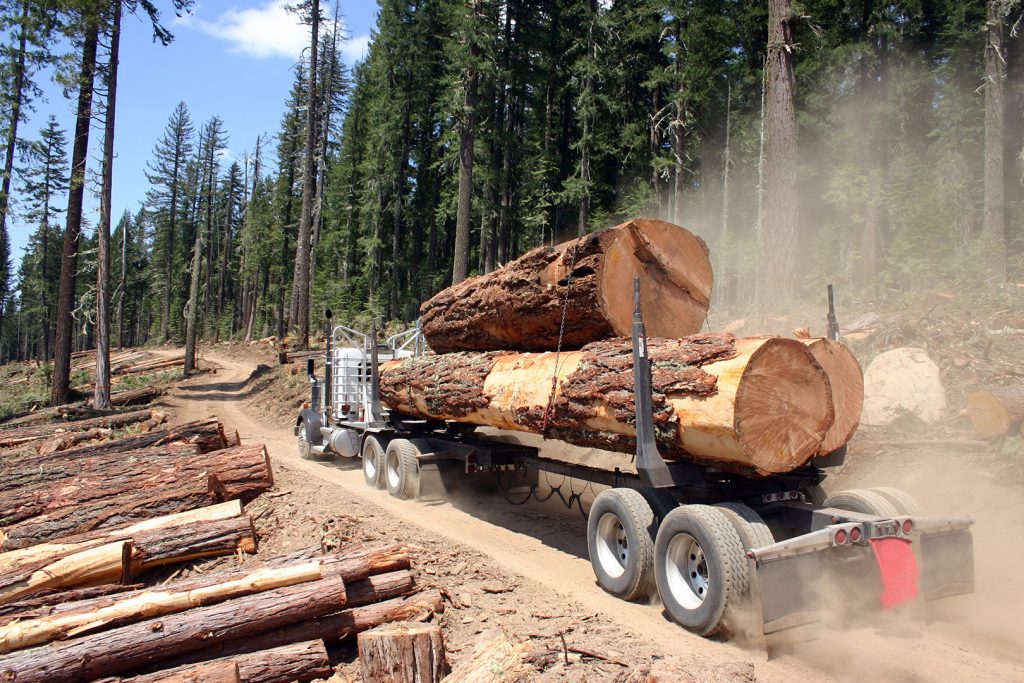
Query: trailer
(712,545)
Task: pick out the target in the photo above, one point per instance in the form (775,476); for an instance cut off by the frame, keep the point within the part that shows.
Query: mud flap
(897,568)
(947,564)
(789,593)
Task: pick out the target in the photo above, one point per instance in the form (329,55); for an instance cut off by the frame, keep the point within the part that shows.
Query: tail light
(346,408)
(840,537)
(908,527)
(855,534)
(470,468)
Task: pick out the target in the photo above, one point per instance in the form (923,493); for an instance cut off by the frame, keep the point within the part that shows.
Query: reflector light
(908,526)
(471,468)
(346,408)
(841,537)
(855,534)
(471,459)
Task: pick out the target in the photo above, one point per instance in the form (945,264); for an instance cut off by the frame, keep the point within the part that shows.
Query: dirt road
(547,546)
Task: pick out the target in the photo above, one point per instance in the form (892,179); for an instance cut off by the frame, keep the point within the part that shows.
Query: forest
(876,145)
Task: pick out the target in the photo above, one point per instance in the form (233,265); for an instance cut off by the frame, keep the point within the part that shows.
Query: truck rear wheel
(699,566)
(620,540)
(373,462)
(752,529)
(402,469)
(864,501)
(904,503)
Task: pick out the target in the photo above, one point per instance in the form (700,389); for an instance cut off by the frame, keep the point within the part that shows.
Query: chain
(558,349)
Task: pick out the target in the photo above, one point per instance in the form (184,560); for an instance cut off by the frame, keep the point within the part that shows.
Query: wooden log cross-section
(996,411)
(846,380)
(520,306)
(402,652)
(754,406)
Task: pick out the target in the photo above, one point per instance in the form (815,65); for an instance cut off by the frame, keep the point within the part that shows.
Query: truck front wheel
(373,462)
(620,539)
(700,567)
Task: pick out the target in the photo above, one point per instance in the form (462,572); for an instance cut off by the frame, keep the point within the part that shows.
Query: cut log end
(847,383)
(995,411)
(783,406)
(402,652)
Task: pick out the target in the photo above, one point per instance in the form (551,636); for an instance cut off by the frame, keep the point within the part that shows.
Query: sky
(229,58)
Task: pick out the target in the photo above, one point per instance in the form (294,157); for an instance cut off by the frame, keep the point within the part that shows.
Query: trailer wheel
(305,448)
(699,566)
(904,503)
(620,541)
(864,501)
(373,462)
(815,495)
(402,469)
(662,502)
(752,529)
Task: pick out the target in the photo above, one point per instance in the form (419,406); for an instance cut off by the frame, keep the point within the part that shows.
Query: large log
(57,548)
(123,558)
(130,647)
(20,435)
(847,382)
(47,600)
(754,406)
(996,411)
(402,652)
(300,662)
(139,605)
(520,306)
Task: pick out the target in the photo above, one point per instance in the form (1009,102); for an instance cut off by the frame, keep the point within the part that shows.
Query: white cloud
(355,48)
(267,31)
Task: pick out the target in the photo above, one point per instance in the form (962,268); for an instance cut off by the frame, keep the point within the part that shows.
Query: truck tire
(815,495)
(752,529)
(620,541)
(662,502)
(305,448)
(402,469)
(904,503)
(373,462)
(864,501)
(700,567)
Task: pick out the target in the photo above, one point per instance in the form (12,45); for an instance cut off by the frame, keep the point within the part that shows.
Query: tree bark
(467,138)
(20,435)
(300,662)
(101,395)
(753,406)
(129,647)
(521,306)
(207,672)
(192,307)
(402,652)
(780,195)
(61,380)
(994,226)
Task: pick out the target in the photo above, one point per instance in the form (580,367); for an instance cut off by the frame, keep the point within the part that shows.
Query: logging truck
(711,540)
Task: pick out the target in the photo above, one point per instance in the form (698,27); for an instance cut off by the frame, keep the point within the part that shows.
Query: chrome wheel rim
(303,444)
(370,465)
(612,546)
(686,571)
(392,471)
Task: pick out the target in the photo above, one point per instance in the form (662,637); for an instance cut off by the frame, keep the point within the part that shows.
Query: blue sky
(230,58)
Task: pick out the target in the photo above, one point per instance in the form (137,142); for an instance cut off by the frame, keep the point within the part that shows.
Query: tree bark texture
(207,672)
(402,652)
(192,307)
(61,379)
(754,406)
(301,662)
(589,281)
(101,394)
(124,558)
(132,646)
(780,195)
(467,139)
(20,435)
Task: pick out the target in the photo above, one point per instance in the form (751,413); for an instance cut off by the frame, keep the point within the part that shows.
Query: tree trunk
(121,284)
(129,647)
(124,558)
(467,138)
(402,652)
(300,284)
(101,394)
(995,411)
(994,227)
(300,662)
(521,306)
(753,406)
(780,205)
(61,381)
(192,307)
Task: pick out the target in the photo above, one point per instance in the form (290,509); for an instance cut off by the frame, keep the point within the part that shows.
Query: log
(520,306)
(62,443)
(847,382)
(130,647)
(132,397)
(300,662)
(20,435)
(145,604)
(996,411)
(46,601)
(57,548)
(207,672)
(753,406)
(402,652)
(123,558)
(495,658)
(378,597)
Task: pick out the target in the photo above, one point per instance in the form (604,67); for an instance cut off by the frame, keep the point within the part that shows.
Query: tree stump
(402,652)
(996,410)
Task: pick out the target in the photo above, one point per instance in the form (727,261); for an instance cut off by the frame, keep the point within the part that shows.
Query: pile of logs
(541,345)
(122,363)
(82,529)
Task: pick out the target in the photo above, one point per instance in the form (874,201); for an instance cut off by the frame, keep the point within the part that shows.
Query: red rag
(898,567)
